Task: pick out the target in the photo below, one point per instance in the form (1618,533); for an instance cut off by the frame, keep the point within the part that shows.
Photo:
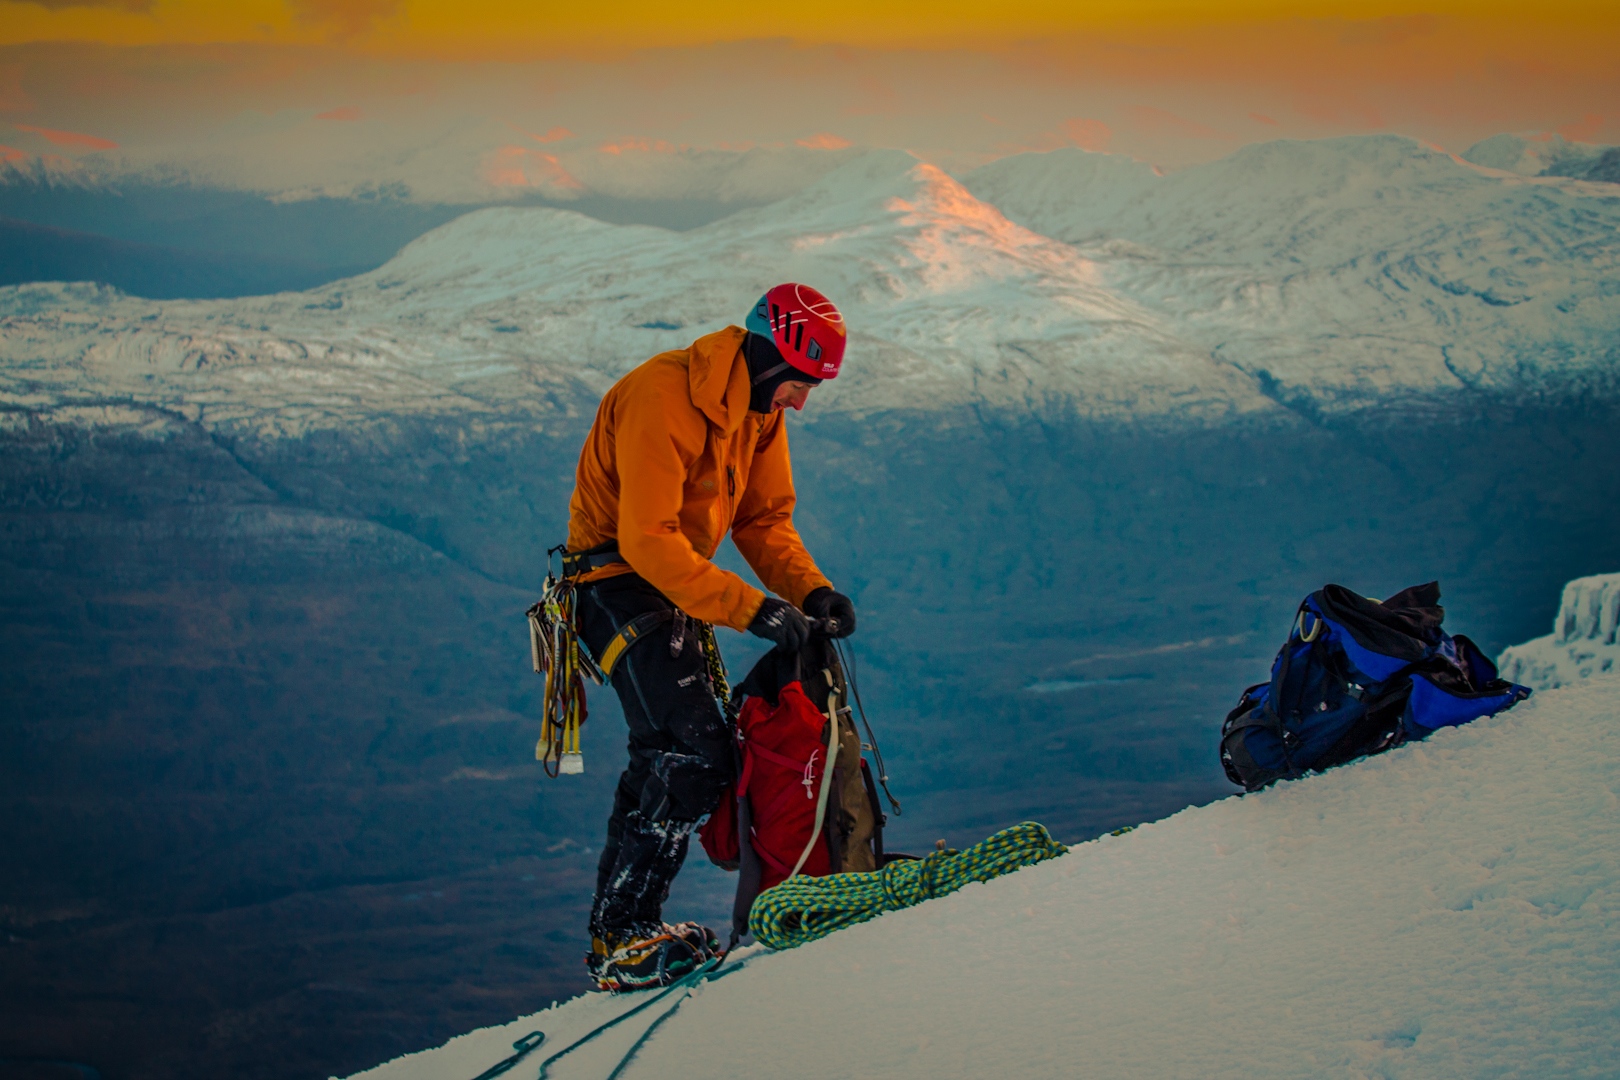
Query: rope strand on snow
(802,909)
(685,982)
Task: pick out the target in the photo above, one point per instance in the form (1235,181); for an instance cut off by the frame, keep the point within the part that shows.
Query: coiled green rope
(802,909)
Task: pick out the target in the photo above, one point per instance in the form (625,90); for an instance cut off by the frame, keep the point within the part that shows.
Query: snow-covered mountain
(951,304)
(1583,642)
(1546,154)
(1339,273)
(1444,910)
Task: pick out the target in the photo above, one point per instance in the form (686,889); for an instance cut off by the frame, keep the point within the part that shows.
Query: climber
(686,447)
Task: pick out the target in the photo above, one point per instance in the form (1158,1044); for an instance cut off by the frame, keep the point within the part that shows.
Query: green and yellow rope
(802,909)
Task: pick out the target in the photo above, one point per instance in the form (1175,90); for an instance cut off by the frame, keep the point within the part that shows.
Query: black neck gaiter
(767,370)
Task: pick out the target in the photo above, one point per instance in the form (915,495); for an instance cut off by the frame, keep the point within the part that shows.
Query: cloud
(1088,134)
(1262,118)
(556,134)
(344,112)
(1156,121)
(1585,130)
(122,5)
(68,138)
(515,166)
(13,98)
(876,97)
(9,154)
(639,145)
(1390,30)
(1347,111)
(824,141)
(347,17)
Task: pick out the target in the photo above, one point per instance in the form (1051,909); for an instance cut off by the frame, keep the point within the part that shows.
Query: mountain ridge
(952,302)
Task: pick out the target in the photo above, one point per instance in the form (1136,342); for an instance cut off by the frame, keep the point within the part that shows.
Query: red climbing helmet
(804,325)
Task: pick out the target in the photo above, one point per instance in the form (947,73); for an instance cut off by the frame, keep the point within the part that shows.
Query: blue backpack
(1358,677)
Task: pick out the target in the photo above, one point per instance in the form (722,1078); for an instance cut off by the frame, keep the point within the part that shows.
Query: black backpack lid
(1402,626)
(777,668)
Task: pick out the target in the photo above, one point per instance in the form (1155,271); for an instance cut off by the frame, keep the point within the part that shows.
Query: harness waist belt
(575,563)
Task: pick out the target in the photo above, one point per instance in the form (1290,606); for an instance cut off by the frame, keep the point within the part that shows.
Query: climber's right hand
(781,622)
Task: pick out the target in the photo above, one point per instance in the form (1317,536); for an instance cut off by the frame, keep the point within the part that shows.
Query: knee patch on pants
(682,787)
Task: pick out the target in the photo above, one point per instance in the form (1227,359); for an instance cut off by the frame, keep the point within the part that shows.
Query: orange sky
(523,29)
(1167,81)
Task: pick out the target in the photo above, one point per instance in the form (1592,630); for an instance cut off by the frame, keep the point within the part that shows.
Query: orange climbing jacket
(673,462)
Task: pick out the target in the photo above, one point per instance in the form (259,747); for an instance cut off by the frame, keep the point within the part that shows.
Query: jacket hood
(718,375)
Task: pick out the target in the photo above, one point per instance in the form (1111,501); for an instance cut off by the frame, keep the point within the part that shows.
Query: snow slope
(1583,641)
(1450,909)
(1344,270)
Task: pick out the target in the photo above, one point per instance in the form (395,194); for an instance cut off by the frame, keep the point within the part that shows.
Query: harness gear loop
(554,649)
(557,653)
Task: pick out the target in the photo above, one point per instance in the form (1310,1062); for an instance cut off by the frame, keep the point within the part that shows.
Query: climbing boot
(640,961)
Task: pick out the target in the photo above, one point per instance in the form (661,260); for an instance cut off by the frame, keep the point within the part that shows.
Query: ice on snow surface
(1449,909)
(1583,642)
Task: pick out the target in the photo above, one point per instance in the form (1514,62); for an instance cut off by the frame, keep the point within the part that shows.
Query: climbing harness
(523,1046)
(557,654)
(803,909)
(633,631)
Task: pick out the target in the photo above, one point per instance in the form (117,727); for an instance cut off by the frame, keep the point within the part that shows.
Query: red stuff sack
(782,737)
(784,762)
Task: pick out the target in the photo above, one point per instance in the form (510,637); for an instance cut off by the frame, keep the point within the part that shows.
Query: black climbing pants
(682,754)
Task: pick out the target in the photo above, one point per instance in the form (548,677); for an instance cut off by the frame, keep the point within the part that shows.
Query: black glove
(823,603)
(781,622)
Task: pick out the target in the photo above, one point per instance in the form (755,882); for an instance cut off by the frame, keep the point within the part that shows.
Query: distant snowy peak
(1290,277)
(1070,194)
(1317,202)
(290,158)
(1342,272)
(1547,154)
(1584,641)
(950,304)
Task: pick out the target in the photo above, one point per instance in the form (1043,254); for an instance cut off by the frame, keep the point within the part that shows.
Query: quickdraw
(555,648)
